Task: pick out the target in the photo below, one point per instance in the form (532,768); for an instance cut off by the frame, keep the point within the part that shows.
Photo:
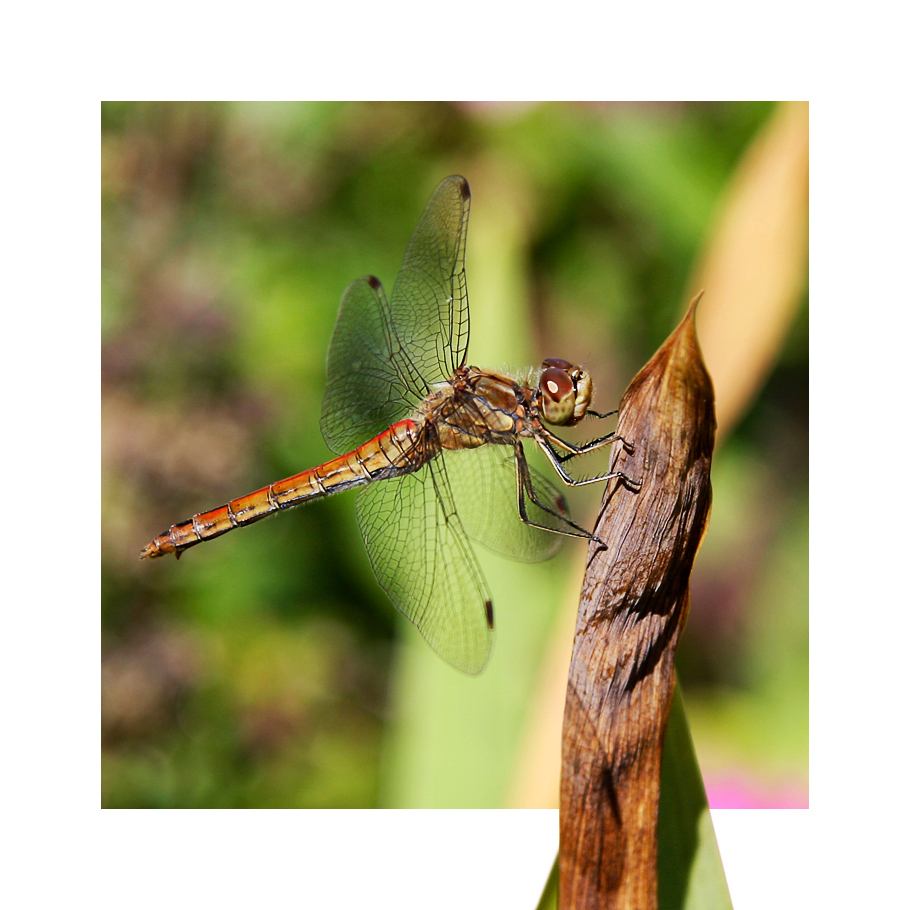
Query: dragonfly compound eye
(558,396)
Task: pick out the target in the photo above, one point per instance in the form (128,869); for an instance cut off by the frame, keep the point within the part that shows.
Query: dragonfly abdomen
(391,453)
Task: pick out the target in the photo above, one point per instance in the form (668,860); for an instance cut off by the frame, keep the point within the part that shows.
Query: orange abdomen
(388,454)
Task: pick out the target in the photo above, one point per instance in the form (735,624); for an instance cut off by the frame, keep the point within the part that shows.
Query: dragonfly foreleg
(525,483)
(545,440)
(572,451)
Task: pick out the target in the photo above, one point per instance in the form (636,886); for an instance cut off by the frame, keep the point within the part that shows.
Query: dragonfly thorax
(565,392)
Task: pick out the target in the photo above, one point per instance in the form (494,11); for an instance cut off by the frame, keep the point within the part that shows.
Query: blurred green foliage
(263,670)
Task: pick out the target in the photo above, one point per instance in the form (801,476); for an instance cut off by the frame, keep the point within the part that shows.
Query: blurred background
(267,668)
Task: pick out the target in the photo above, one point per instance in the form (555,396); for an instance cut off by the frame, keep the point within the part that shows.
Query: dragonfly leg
(572,451)
(546,440)
(525,484)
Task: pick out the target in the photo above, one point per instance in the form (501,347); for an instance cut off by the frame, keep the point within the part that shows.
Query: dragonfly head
(565,391)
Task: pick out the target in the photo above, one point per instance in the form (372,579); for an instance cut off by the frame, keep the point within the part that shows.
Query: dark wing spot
(465,189)
(489,621)
(373,282)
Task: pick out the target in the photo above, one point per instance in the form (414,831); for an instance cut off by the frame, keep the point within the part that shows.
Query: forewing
(429,301)
(425,563)
(385,358)
(365,391)
(484,485)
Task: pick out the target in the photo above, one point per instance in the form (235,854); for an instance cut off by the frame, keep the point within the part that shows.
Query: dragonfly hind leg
(562,524)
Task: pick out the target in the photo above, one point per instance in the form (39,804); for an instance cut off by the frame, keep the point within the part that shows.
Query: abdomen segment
(388,454)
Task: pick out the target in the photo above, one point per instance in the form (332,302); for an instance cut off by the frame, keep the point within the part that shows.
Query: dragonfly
(435,445)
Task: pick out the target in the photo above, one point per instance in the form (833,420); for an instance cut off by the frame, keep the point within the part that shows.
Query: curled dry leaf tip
(633,606)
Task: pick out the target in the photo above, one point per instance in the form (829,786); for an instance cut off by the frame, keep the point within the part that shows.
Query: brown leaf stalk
(633,606)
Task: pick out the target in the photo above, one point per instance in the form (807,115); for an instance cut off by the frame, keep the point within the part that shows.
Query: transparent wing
(426,565)
(429,301)
(485,486)
(365,392)
(384,358)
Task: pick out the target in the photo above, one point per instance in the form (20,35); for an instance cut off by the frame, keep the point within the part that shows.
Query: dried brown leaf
(633,606)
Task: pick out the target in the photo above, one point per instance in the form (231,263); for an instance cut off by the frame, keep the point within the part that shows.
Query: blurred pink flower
(743,792)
